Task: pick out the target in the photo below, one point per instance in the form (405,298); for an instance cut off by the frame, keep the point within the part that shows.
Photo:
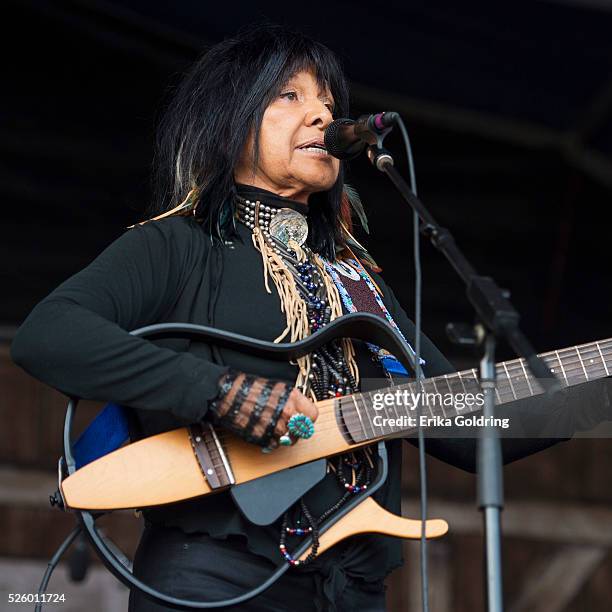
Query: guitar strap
(360,293)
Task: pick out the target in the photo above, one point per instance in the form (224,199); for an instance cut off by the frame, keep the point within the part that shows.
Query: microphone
(345,138)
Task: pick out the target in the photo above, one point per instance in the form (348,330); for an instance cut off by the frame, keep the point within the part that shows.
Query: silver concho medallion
(288,224)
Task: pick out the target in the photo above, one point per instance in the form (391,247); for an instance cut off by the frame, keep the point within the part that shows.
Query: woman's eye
(290,95)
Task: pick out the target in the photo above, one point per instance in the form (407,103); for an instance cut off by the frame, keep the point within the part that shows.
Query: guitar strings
(328,419)
(574,369)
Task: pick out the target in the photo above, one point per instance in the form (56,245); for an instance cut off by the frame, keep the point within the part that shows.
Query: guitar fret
(450,388)
(521,385)
(509,380)
(461,380)
(391,413)
(474,382)
(562,368)
(522,362)
(424,393)
(456,380)
(605,357)
(370,420)
(573,368)
(552,366)
(395,410)
(386,416)
(385,427)
(408,408)
(365,433)
(442,404)
(429,407)
(448,383)
(602,358)
(433,382)
(582,364)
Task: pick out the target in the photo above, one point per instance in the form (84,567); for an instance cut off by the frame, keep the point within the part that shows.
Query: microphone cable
(416,223)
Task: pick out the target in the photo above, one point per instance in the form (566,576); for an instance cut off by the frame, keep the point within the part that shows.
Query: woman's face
(293,161)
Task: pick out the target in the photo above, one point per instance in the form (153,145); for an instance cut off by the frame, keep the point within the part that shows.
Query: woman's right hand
(258,409)
(297,403)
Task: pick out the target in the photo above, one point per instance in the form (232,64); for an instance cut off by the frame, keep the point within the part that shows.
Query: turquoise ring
(285,440)
(301,426)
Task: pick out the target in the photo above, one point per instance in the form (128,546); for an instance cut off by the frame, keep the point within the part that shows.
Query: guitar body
(164,469)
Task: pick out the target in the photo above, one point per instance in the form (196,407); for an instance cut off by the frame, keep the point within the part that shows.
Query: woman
(240,144)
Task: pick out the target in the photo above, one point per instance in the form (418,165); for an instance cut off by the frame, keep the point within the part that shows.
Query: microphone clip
(379,156)
(373,129)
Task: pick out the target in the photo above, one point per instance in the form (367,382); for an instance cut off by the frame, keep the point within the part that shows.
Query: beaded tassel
(293,304)
(295,309)
(310,300)
(335,303)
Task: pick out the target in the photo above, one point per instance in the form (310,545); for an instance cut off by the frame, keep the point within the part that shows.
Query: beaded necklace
(280,234)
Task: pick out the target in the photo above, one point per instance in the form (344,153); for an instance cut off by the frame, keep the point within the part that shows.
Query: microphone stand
(496,317)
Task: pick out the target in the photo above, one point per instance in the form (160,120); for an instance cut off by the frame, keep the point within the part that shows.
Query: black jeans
(202,568)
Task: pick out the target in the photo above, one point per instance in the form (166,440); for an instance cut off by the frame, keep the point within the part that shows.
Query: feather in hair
(354,202)
(357,206)
(185,208)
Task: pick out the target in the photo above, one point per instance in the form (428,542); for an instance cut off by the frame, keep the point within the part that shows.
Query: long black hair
(219,101)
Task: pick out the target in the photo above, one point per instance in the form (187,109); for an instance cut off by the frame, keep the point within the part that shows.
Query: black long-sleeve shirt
(170,270)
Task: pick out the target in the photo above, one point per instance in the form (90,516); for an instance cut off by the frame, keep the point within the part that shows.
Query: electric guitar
(201,460)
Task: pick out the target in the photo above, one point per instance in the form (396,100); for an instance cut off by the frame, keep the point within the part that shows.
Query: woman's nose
(318,115)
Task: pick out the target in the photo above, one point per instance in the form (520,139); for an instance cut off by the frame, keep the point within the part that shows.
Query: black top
(171,271)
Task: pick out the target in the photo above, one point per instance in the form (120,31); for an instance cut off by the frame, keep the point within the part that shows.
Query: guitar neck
(391,411)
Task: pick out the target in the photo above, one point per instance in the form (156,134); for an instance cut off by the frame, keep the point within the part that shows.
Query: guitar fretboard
(572,366)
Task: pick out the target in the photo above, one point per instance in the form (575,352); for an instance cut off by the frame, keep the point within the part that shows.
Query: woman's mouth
(315,149)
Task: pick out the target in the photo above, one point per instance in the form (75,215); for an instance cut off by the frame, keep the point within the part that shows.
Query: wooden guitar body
(164,469)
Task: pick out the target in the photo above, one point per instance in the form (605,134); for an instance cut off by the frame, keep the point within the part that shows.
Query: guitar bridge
(210,455)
